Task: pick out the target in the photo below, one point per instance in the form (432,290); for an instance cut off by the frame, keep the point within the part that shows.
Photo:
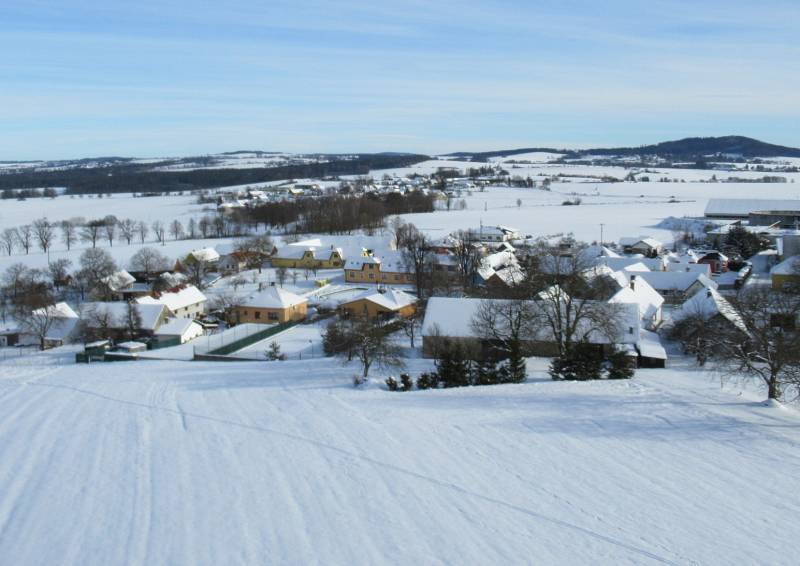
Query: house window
(258,315)
(372,276)
(396,277)
(272,316)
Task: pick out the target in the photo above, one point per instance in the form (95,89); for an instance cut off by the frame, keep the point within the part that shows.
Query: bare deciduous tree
(25,237)
(44,233)
(418,258)
(127,229)
(281,275)
(468,258)
(770,351)
(148,262)
(142,230)
(176,229)
(9,238)
(68,233)
(90,232)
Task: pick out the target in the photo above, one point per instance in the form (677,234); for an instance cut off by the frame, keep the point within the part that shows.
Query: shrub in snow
(428,381)
(274,352)
(620,366)
(406,382)
(359,380)
(452,367)
(391,383)
(579,363)
(485,372)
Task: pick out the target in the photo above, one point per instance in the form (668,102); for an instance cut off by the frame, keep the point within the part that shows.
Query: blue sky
(149,78)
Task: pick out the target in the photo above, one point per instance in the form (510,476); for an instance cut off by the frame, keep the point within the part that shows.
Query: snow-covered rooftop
(273,298)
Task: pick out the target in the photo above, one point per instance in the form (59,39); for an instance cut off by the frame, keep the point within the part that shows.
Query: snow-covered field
(285,462)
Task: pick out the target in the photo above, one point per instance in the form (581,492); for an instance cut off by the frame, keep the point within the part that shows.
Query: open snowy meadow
(167,461)
(164,462)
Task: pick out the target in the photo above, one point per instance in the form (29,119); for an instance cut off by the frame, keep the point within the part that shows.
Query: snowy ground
(244,463)
(299,342)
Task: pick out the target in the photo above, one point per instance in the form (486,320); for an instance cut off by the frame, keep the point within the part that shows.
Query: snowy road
(197,463)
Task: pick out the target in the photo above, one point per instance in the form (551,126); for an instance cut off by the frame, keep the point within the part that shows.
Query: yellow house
(388,269)
(308,257)
(786,274)
(271,306)
(377,304)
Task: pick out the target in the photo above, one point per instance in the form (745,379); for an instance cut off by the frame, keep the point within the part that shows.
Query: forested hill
(691,148)
(137,177)
(686,149)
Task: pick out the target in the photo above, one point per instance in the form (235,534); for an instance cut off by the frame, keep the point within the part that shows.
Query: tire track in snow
(610,540)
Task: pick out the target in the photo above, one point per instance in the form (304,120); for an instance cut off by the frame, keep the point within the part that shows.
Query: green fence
(252,339)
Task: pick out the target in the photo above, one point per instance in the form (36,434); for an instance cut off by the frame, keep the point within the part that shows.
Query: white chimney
(633,282)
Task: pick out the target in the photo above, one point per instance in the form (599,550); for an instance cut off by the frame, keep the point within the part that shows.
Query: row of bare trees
(43,233)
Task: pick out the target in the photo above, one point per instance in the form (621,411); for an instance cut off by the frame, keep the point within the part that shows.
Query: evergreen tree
(620,366)
(485,372)
(452,367)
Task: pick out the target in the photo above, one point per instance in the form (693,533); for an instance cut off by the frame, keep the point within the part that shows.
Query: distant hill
(696,147)
(484,155)
(687,148)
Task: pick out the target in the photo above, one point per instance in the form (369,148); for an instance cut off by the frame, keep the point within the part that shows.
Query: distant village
(630,298)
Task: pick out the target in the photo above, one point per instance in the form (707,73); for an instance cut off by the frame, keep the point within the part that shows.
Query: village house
(786,274)
(207,256)
(122,286)
(676,286)
(389,269)
(495,234)
(61,328)
(233,262)
(500,269)
(649,302)
(271,306)
(381,304)
(450,320)
(179,331)
(617,263)
(649,247)
(110,318)
(183,301)
(717,261)
(714,309)
(308,255)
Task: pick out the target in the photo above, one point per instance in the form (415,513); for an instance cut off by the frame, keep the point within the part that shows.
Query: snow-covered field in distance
(625,208)
(285,462)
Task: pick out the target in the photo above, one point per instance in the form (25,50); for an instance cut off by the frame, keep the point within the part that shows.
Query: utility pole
(601,233)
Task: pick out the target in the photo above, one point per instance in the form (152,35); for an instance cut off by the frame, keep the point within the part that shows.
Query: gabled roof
(452,318)
(789,266)
(177,327)
(710,303)
(675,280)
(617,263)
(58,310)
(150,314)
(390,262)
(118,280)
(205,254)
(642,294)
(177,298)
(391,299)
(273,298)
